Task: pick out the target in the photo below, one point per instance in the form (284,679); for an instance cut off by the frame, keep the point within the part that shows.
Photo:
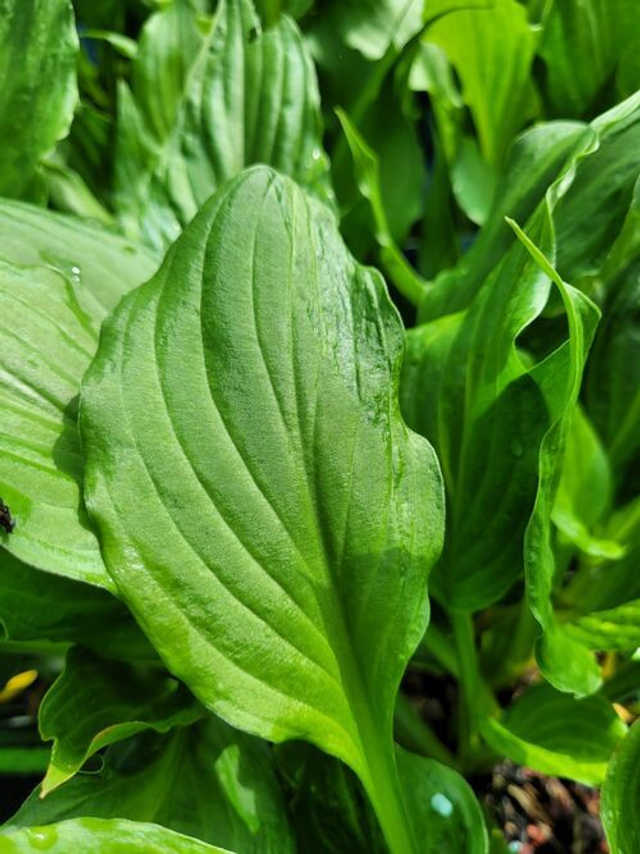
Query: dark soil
(545,815)
(537,814)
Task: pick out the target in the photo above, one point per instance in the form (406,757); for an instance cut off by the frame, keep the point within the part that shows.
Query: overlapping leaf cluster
(247,485)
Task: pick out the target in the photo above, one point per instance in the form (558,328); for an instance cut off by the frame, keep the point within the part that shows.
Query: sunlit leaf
(555,734)
(243,545)
(102,836)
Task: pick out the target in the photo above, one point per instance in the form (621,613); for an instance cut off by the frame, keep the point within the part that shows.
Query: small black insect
(6,520)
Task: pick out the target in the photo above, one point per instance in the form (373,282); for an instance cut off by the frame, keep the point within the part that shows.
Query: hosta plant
(319,424)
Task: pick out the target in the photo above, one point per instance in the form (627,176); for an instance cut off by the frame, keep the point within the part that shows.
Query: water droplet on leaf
(517,448)
(442,805)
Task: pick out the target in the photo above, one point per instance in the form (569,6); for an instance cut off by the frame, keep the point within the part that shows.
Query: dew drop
(316,154)
(43,838)
(517,448)
(442,805)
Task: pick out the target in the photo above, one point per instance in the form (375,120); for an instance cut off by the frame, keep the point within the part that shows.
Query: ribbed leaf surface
(263,509)
(251,97)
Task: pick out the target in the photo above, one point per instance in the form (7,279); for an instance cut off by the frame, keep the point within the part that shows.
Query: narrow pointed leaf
(613,379)
(367,169)
(586,175)
(466,388)
(535,159)
(585,490)
(601,190)
(565,663)
(168,46)
(236,527)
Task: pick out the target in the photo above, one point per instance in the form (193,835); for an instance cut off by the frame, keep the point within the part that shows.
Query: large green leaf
(209,781)
(555,734)
(53,313)
(235,526)
(101,836)
(96,702)
(38,92)
(621,796)
(250,97)
(581,46)
(565,663)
